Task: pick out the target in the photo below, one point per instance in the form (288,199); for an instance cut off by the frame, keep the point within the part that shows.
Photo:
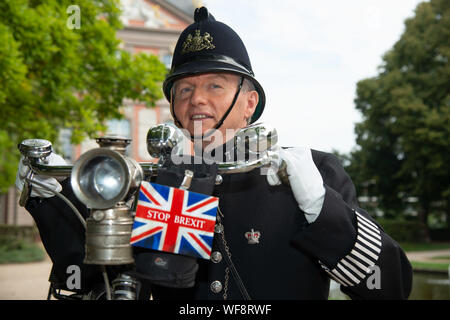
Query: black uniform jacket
(277,254)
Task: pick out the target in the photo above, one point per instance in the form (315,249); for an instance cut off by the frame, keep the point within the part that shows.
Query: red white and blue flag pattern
(174,220)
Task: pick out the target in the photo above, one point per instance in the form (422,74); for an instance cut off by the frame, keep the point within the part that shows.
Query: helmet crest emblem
(197,42)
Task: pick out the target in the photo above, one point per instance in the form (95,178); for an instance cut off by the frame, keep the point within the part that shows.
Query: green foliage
(17,244)
(54,77)
(8,161)
(20,251)
(403,230)
(404,138)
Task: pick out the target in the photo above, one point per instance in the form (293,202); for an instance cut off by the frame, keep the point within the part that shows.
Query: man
(272,240)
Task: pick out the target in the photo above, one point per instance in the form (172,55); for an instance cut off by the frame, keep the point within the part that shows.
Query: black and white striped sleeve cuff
(354,267)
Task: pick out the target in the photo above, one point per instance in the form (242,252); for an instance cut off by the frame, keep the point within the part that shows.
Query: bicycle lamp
(104,176)
(104,179)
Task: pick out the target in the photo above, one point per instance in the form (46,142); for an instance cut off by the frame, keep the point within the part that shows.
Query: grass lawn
(412,246)
(430,266)
(441,258)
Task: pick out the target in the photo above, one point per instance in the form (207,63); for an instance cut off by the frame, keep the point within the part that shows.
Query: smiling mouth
(200,117)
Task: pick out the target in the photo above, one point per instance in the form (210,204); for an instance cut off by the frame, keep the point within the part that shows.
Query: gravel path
(427,256)
(25,281)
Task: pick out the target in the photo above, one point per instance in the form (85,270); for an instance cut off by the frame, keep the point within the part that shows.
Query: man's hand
(304,178)
(37,191)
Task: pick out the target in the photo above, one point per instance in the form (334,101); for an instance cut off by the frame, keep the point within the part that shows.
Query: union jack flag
(174,220)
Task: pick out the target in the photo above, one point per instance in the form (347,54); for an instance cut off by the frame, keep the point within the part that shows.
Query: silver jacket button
(216,286)
(218,228)
(216,257)
(219,179)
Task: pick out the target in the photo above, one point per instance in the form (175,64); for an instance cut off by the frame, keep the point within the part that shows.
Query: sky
(309,55)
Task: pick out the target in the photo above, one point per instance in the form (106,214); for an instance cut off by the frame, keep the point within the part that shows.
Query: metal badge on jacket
(253,236)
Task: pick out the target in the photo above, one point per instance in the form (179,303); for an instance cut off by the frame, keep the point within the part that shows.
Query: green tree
(53,76)
(404,137)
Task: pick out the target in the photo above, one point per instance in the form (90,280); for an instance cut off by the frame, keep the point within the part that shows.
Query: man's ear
(252,102)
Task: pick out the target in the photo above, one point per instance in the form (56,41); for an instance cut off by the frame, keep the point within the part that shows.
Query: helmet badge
(197,42)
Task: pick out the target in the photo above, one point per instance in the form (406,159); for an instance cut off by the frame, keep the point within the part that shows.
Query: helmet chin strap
(221,121)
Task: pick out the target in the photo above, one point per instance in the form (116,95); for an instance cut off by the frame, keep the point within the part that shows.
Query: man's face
(202,100)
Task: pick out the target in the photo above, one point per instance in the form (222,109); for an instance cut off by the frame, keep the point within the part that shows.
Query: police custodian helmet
(206,46)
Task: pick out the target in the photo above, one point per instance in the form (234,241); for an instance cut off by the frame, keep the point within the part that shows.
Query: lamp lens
(102,178)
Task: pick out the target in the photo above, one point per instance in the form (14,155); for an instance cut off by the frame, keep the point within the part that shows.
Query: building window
(167,60)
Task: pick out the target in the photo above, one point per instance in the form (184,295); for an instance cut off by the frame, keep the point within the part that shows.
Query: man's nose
(198,96)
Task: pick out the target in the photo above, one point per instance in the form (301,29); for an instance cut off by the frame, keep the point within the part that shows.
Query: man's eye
(185,90)
(216,86)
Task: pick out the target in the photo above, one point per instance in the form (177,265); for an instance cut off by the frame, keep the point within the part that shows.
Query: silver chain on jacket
(227,251)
